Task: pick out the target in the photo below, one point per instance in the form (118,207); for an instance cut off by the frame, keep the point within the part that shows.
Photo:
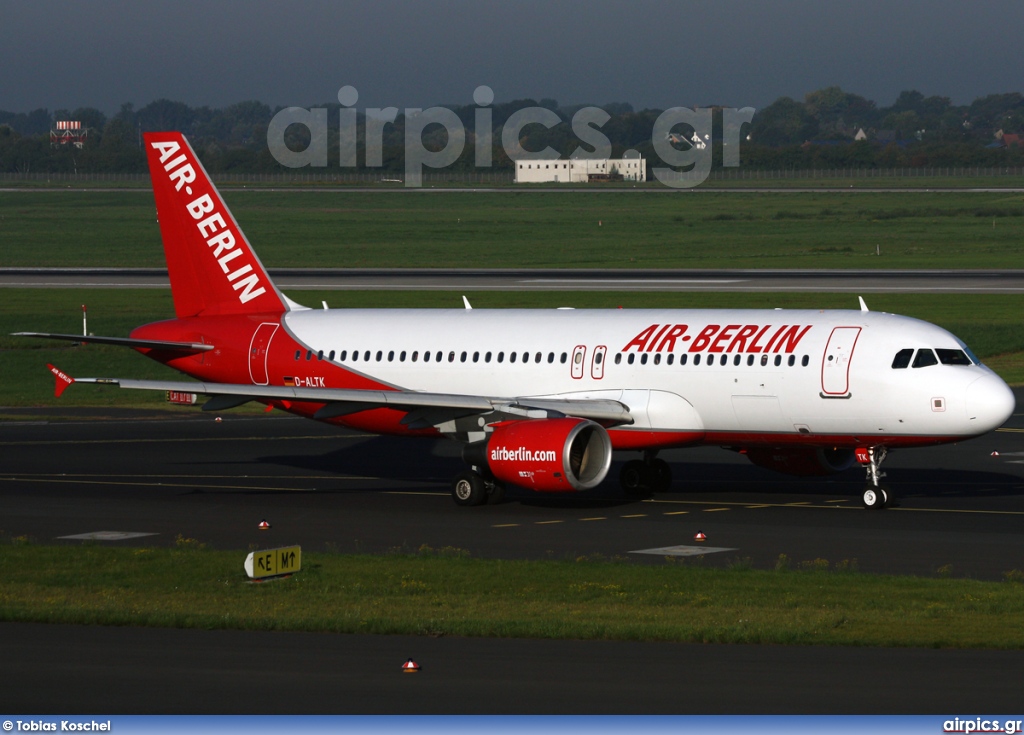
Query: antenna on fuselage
(466,302)
(863,306)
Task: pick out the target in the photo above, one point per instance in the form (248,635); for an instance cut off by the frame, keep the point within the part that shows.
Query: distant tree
(785,121)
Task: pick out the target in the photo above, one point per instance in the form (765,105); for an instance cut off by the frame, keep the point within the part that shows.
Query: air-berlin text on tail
(211,224)
(719,338)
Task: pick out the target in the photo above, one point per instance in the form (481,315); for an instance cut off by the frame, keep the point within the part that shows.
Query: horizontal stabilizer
(152,344)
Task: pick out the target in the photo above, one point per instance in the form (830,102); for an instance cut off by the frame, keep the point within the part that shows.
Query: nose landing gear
(876,495)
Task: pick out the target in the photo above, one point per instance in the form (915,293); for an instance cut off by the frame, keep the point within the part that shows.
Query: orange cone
(410,667)
(700,536)
(264,526)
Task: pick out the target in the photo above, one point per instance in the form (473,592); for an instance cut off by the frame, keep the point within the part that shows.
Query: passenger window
(682,359)
(462,357)
(764,360)
(565,356)
(657,359)
(750,359)
(309,355)
(792,360)
(724,360)
(391,356)
(643,359)
(902,359)
(598,357)
(366,356)
(343,355)
(670,358)
(736,360)
(426,356)
(631,357)
(512,357)
(451,356)
(331,356)
(806,359)
(415,355)
(953,357)
(618,359)
(487,357)
(476,357)
(380,355)
(298,354)
(551,357)
(778,360)
(696,359)
(925,358)
(501,357)
(537,357)
(401,357)
(320,355)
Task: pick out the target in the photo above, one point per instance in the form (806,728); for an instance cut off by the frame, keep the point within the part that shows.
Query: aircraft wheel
(660,475)
(469,489)
(633,478)
(496,494)
(874,497)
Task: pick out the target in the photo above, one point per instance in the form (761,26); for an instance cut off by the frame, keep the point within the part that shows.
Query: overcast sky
(651,53)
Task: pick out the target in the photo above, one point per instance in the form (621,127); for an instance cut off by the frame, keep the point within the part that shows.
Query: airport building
(580,170)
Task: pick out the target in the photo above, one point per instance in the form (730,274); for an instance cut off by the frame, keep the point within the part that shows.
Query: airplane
(541,399)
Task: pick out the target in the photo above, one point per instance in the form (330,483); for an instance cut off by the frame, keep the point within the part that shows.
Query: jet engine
(547,455)
(804,461)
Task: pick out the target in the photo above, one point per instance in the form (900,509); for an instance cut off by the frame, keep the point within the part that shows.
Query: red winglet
(62,380)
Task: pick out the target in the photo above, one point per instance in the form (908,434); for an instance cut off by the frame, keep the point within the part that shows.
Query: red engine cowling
(550,455)
(805,461)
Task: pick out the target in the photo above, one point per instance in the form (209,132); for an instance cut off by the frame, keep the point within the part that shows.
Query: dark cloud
(653,53)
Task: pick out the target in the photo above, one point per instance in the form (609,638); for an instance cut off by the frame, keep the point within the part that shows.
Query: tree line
(829,128)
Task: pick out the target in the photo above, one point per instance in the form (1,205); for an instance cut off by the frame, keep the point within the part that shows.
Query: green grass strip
(445,592)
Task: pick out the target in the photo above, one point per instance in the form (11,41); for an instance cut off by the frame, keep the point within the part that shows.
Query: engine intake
(547,455)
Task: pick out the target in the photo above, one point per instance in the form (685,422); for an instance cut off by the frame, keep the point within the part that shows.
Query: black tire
(660,475)
(633,478)
(874,498)
(469,488)
(497,494)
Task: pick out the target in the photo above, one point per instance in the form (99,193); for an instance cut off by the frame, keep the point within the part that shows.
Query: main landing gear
(875,494)
(641,477)
(471,488)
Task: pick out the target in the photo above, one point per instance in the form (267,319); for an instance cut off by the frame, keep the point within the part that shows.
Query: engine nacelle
(804,461)
(547,455)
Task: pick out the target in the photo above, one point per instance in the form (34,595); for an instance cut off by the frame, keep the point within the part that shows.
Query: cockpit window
(902,359)
(925,358)
(953,357)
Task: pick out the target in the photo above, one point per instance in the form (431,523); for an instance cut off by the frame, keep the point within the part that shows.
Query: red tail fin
(212,267)
(62,380)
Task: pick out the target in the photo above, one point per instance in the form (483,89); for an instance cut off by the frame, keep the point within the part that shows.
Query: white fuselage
(827,373)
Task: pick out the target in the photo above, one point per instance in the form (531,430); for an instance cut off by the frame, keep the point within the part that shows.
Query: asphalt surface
(433,279)
(960,512)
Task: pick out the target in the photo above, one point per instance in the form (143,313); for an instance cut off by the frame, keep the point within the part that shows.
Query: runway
(960,513)
(430,279)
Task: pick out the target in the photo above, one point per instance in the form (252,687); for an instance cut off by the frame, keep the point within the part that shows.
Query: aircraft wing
(426,409)
(121,341)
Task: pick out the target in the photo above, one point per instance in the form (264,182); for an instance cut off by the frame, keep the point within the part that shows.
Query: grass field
(445,592)
(523,229)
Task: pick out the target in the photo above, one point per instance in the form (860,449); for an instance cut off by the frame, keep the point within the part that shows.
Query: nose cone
(990,403)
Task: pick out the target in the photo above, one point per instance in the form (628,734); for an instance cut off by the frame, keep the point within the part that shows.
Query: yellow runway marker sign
(273,562)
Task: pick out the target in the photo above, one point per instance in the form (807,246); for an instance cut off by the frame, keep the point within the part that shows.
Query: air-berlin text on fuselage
(719,338)
(212,227)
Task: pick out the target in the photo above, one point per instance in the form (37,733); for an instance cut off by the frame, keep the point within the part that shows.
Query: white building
(580,170)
